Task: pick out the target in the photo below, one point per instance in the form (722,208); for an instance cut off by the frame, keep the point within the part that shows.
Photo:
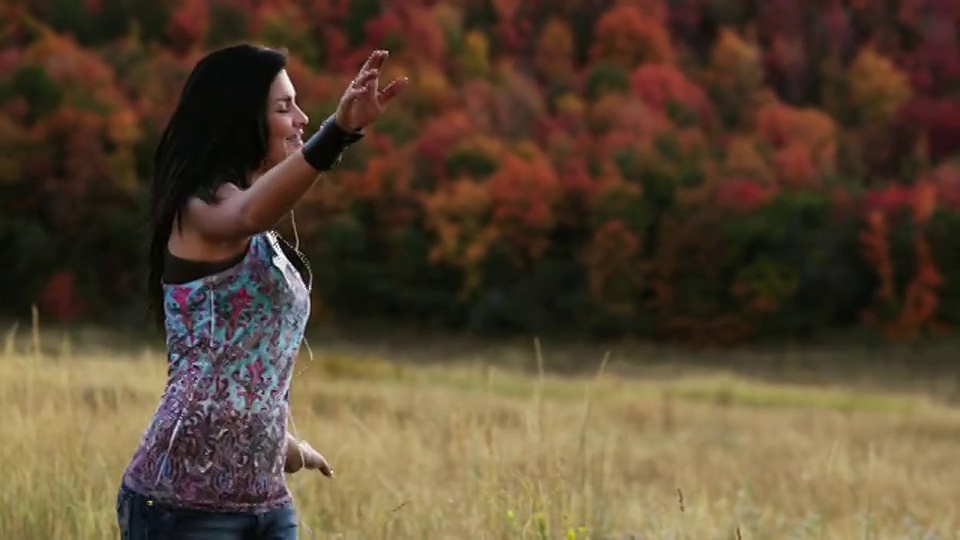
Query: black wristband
(324,149)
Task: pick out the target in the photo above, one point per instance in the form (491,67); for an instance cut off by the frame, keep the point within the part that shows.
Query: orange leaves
(946,178)
(664,87)
(876,249)
(459,216)
(412,32)
(796,166)
(513,208)
(423,34)
(804,141)
(658,171)
(924,201)
(76,68)
(626,36)
(612,259)
(188,24)
(909,315)
(523,193)
(387,185)
(438,137)
(781,125)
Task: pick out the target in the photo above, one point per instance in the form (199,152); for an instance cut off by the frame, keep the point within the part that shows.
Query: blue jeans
(141,518)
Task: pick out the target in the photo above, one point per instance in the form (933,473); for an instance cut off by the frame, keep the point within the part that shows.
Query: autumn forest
(707,172)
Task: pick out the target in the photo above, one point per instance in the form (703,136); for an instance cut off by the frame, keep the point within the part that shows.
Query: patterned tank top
(216,442)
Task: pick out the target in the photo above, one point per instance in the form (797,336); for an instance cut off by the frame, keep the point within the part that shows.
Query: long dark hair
(217,134)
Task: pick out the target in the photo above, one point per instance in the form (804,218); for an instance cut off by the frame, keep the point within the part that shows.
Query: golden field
(480,450)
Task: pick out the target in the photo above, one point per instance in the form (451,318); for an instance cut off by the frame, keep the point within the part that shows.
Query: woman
(232,297)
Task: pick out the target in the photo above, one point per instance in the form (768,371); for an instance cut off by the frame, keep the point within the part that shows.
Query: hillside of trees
(701,171)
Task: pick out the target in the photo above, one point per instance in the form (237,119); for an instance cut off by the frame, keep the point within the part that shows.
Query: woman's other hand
(304,456)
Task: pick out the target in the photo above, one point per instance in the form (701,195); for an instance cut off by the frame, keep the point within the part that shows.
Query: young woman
(233,297)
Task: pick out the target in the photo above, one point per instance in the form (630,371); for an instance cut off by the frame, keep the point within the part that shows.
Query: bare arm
(294,455)
(242,213)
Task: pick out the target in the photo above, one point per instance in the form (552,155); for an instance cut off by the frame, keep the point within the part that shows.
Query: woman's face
(285,121)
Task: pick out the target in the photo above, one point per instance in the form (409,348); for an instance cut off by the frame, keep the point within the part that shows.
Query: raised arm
(242,213)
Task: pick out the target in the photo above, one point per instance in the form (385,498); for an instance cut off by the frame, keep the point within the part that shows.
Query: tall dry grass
(474,452)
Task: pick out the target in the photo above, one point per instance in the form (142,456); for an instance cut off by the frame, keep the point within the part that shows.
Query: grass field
(478,450)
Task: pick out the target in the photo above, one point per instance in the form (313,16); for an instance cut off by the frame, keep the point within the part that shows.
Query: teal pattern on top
(216,442)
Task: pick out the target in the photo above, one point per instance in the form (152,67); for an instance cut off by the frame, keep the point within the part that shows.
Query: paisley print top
(217,439)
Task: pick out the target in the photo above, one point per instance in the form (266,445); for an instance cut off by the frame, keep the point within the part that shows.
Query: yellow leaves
(459,216)
(475,59)
(735,63)
(513,207)
(570,103)
(745,160)
(877,88)
(430,90)
(734,76)
(449,18)
(555,50)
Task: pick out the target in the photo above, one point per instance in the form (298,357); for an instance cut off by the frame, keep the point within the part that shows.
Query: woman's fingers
(353,93)
(364,78)
(391,90)
(375,60)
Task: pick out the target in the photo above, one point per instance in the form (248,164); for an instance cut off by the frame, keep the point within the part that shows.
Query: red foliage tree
(626,36)
(523,195)
(188,25)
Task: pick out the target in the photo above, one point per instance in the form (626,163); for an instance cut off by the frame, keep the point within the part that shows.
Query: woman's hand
(302,456)
(364,101)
